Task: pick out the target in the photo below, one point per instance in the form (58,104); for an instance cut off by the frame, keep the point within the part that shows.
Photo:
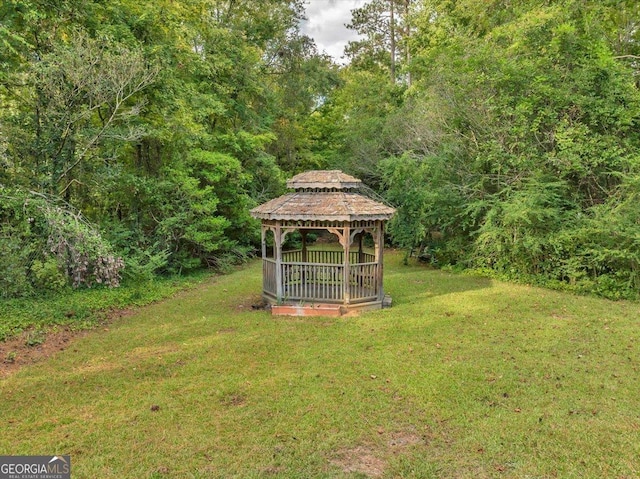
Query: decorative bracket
(340,234)
(354,233)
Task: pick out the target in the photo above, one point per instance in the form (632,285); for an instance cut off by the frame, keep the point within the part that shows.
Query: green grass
(83,308)
(463,377)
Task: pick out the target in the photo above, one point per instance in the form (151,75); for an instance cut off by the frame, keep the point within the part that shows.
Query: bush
(48,275)
(13,280)
(45,246)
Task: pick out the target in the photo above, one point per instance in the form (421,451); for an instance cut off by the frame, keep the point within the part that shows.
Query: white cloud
(326,20)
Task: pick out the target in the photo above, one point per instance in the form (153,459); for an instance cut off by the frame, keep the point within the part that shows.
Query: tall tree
(526,112)
(155,118)
(302,79)
(385,26)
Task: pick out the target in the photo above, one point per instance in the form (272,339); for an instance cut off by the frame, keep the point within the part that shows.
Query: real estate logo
(35,467)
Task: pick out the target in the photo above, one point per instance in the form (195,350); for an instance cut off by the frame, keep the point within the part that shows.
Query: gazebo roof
(323,196)
(324,206)
(323,179)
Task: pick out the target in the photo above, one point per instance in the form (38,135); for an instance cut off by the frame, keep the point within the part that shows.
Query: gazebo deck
(321,277)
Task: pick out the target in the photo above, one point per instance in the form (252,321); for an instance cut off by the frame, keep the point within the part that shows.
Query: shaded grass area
(82,308)
(463,377)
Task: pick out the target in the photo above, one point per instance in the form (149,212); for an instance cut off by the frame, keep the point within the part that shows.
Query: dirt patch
(33,346)
(236,399)
(273,470)
(227,330)
(401,440)
(362,459)
(253,303)
(372,460)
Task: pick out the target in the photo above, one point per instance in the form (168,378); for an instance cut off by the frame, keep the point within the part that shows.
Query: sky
(325,23)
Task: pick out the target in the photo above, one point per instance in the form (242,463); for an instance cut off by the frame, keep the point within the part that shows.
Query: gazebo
(340,279)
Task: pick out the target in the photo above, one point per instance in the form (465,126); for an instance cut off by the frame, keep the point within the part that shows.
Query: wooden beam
(379,240)
(303,233)
(347,270)
(278,247)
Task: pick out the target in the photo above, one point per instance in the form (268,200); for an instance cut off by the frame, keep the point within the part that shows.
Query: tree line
(136,136)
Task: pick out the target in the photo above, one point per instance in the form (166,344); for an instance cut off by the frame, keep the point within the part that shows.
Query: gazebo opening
(347,271)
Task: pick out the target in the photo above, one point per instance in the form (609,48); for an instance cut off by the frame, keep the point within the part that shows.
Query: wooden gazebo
(349,277)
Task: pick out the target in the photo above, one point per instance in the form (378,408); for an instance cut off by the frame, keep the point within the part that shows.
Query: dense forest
(135,136)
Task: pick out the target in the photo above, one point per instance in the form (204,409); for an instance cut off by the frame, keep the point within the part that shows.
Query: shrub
(45,245)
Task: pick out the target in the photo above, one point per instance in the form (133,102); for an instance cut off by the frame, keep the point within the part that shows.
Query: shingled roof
(323,195)
(324,179)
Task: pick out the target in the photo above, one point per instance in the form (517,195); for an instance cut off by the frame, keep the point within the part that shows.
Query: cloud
(326,20)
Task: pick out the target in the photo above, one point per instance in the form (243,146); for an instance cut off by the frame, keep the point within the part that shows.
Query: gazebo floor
(331,310)
(317,308)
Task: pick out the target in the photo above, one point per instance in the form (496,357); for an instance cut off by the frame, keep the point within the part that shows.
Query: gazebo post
(379,254)
(278,246)
(303,254)
(346,287)
(303,233)
(263,235)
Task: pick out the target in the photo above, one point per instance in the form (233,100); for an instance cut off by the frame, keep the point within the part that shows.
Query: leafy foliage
(515,146)
(47,246)
(506,133)
(163,122)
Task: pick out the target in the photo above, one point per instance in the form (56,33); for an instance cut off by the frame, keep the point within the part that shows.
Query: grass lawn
(84,308)
(463,377)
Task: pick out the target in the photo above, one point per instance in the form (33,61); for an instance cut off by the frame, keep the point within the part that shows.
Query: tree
(83,98)
(385,26)
(302,79)
(524,114)
(155,118)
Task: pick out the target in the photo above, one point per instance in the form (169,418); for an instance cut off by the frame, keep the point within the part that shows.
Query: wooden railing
(327,257)
(363,281)
(322,281)
(269,284)
(360,257)
(312,282)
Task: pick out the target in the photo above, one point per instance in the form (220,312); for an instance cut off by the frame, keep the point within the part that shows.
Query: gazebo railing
(322,282)
(328,256)
(363,282)
(269,282)
(313,282)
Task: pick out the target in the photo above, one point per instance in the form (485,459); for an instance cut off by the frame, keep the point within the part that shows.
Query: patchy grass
(83,308)
(463,377)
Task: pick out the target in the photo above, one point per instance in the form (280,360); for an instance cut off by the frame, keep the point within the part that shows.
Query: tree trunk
(392,29)
(407,33)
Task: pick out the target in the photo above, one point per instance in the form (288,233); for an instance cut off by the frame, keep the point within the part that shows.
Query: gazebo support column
(379,255)
(265,278)
(346,287)
(303,233)
(264,241)
(278,247)
(344,237)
